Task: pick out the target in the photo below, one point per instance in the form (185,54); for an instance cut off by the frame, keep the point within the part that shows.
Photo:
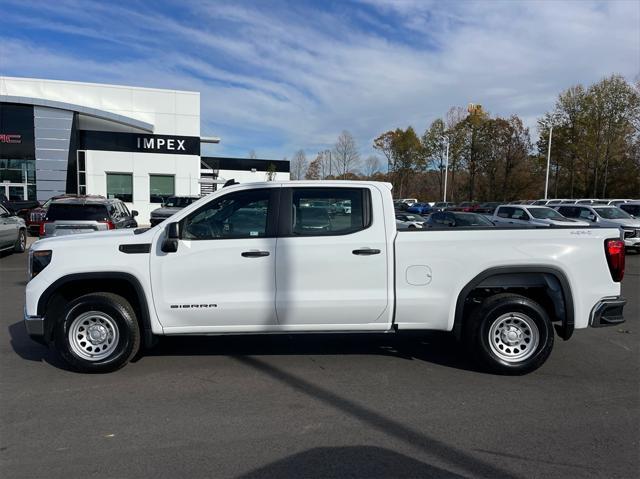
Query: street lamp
(546,183)
(446,167)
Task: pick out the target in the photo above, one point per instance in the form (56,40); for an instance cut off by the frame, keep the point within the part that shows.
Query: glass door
(15,191)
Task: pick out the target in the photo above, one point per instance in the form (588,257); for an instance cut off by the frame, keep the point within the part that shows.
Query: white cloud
(276,79)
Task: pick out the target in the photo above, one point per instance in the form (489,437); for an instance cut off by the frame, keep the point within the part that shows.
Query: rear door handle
(366,251)
(254,254)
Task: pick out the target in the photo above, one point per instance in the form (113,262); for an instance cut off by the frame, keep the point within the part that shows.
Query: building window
(120,186)
(161,187)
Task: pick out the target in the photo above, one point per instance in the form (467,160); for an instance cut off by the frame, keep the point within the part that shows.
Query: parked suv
(607,217)
(172,205)
(86,214)
(13,231)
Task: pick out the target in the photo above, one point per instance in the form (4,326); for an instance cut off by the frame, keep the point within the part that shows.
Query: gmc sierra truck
(253,258)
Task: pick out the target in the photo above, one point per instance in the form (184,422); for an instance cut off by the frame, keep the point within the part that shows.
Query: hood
(567,222)
(622,222)
(88,238)
(165,212)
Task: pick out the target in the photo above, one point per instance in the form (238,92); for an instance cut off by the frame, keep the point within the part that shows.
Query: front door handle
(366,251)
(255,254)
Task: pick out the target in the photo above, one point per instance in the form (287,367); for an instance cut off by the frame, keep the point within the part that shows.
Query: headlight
(38,260)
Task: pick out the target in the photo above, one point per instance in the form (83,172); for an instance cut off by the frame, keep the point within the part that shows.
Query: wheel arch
(74,285)
(552,281)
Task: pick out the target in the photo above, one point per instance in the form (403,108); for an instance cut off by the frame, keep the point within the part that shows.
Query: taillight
(614,250)
(41,230)
(110,225)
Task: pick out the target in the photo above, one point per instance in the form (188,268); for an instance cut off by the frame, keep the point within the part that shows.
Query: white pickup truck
(280,258)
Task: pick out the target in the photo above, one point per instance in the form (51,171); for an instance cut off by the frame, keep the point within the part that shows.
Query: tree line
(595,151)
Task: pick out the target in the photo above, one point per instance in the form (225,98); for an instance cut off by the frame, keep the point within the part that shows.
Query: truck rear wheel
(510,334)
(97,332)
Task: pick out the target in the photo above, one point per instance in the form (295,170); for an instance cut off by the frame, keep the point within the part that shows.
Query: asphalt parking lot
(355,406)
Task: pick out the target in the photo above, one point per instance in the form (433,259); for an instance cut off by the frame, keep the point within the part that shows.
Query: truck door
(222,275)
(331,266)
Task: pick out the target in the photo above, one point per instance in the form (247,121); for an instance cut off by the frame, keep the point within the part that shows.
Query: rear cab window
(79,212)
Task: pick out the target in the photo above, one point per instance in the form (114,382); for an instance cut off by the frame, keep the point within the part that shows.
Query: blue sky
(278,76)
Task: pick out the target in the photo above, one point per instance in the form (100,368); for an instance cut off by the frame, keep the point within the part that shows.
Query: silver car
(409,221)
(532,215)
(607,217)
(13,232)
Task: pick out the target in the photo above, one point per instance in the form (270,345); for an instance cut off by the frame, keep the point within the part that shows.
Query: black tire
(121,318)
(21,242)
(519,313)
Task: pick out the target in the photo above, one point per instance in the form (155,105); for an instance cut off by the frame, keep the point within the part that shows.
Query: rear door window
(320,211)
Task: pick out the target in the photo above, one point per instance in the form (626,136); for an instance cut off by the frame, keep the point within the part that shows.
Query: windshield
(71,212)
(177,202)
(612,213)
(472,219)
(545,214)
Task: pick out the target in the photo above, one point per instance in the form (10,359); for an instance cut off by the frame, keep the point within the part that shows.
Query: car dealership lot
(319,406)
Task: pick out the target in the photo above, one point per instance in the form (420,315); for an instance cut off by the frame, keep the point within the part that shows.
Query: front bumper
(607,312)
(35,327)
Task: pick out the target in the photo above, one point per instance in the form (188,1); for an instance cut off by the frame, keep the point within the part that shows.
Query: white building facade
(137,144)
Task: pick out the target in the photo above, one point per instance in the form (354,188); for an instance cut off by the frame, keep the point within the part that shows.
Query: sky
(279,76)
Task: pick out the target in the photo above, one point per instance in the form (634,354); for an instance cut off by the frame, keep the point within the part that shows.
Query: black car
(86,214)
(488,208)
(170,206)
(449,219)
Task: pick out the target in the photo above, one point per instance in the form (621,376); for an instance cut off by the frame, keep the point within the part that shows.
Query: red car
(466,206)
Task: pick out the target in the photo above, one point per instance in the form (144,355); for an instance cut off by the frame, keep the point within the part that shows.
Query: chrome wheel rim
(93,335)
(23,241)
(514,337)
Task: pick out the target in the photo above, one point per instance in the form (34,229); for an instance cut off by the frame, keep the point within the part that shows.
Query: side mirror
(134,213)
(170,243)
(591,217)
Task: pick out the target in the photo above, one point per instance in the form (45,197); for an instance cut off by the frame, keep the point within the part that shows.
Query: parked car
(607,217)
(13,231)
(451,219)
(407,221)
(632,208)
(442,205)
(532,215)
(589,201)
(343,207)
(466,206)
(86,214)
(420,208)
(488,208)
(20,208)
(98,303)
(171,205)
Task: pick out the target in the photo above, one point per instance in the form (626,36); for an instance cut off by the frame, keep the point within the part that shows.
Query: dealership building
(137,144)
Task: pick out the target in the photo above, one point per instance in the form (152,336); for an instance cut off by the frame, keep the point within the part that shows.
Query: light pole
(446,167)
(546,183)
(329,152)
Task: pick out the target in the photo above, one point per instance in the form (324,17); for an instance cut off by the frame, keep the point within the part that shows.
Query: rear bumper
(607,312)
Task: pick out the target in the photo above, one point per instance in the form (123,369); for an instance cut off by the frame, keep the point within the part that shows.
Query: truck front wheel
(510,334)
(97,332)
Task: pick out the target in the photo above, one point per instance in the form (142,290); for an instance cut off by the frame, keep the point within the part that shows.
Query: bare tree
(252,154)
(299,165)
(372,165)
(345,153)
